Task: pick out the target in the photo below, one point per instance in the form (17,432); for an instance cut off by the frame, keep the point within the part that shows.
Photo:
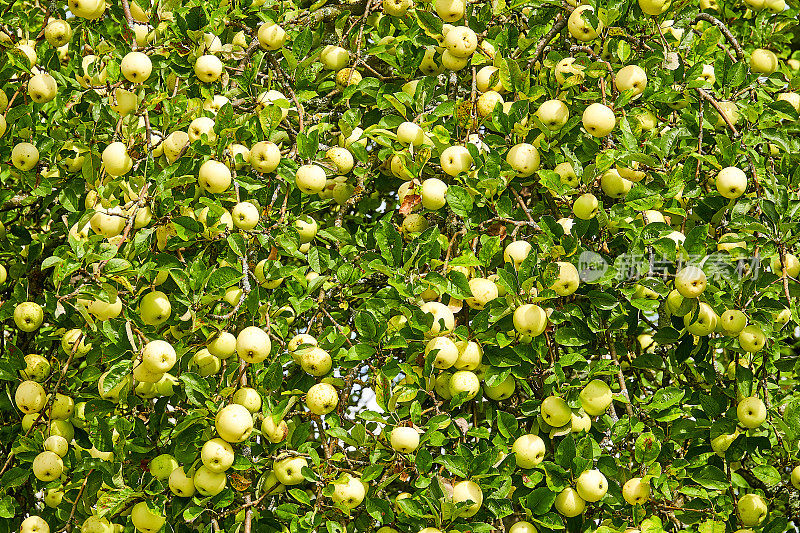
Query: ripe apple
(632,77)
(555,411)
(62,407)
(158,356)
(271,36)
(404,439)
(136,67)
(182,484)
(763,61)
(162,466)
(204,363)
(349,491)
(706,321)
(253,344)
(568,279)
(483,291)
(174,144)
(34,524)
(28,316)
(731,182)
(470,355)
(434,194)
(591,485)
(579,26)
(430,66)
(567,70)
(752,339)
(217,455)
(690,281)
(795,477)
(598,119)
(751,412)
(524,159)
(464,381)
(24,156)
(42,88)
(202,126)
(487,102)
(443,318)
(450,10)
(516,252)
(310,179)
(484,77)
(410,133)
(461,41)
(56,444)
(522,527)
(654,7)
(530,319)
(155,309)
(502,391)
(321,399)
(265,156)
(58,32)
(468,491)
(245,215)
(455,160)
(341,158)
(307,228)
(569,503)
(208,68)
(585,206)
(752,509)
(288,470)
(334,57)
(47,466)
(316,361)
(209,483)
(145,520)
(275,432)
(636,491)
(120,390)
(214,177)
(446,352)
(30,397)
(95,524)
(596,397)
(721,443)
(792,98)
(37,368)
(234,423)
(554,114)
(792,265)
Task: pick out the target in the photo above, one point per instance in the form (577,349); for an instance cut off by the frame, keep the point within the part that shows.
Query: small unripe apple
(568,279)
(690,282)
(752,339)
(47,466)
(731,182)
(502,391)
(792,265)
(528,450)
(596,397)
(654,7)
(162,466)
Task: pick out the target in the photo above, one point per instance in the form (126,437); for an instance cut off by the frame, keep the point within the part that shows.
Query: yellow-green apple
(47,466)
(483,291)
(316,361)
(568,279)
(28,316)
(516,252)
(524,159)
(275,432)
(57,32)
(30,397)
(434,194)
(636,491)
(468,491)
(145,520)
(461,41)
(464,381)
(585,206)
(234,423)
(271,36)
(598,119)
(24,156)
(158,356)
(202,126)
(208,68)
(569,503)
(446,352)
(443,318)
(555,411)
(42,88)
(553,113)
(34,524)
(455,160)
(321,399)
(731,182)
(162,466)
(310,179)
(155,309)
(404,439)
(182,484)
(690,281)
(136,67)
(217,455)
(209,483)
(704,324)
(596,397)
(752,509)
(751,412)
(591,485)
(288,469)
(530,319)
(631,78)
(334,57)
(579,26)
(752,339)
(763,61)
(349,491)
(265,156)
(502,391)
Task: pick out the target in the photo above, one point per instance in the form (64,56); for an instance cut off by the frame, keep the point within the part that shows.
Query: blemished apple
(275,432)
(731,182)
(733,321)
(445,352)
(61,407)
(461,41)
(162,466)
(752,509)
(56,444)
(234,423)
(555,411)
(752,339)
(596,397)
(214,177)
(321,399)
(752,412)
(28,316)
(569,503)
(30,397)
(468,491)
(404,439)
(487,102)
(288,469)
(349,491)
(155,309)
(217,455)
(24,156)
(209,483)
(347,77)
(598,119)
(524,159)
(316,361)
(57,32)
(636,491)
(530,319)
(690,281)
(455,160)
(579,26)
(37,368)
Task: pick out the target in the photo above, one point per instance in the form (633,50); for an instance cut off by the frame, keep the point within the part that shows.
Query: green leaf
(459,200)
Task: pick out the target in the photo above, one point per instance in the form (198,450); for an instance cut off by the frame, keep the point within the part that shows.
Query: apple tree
(398,267)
